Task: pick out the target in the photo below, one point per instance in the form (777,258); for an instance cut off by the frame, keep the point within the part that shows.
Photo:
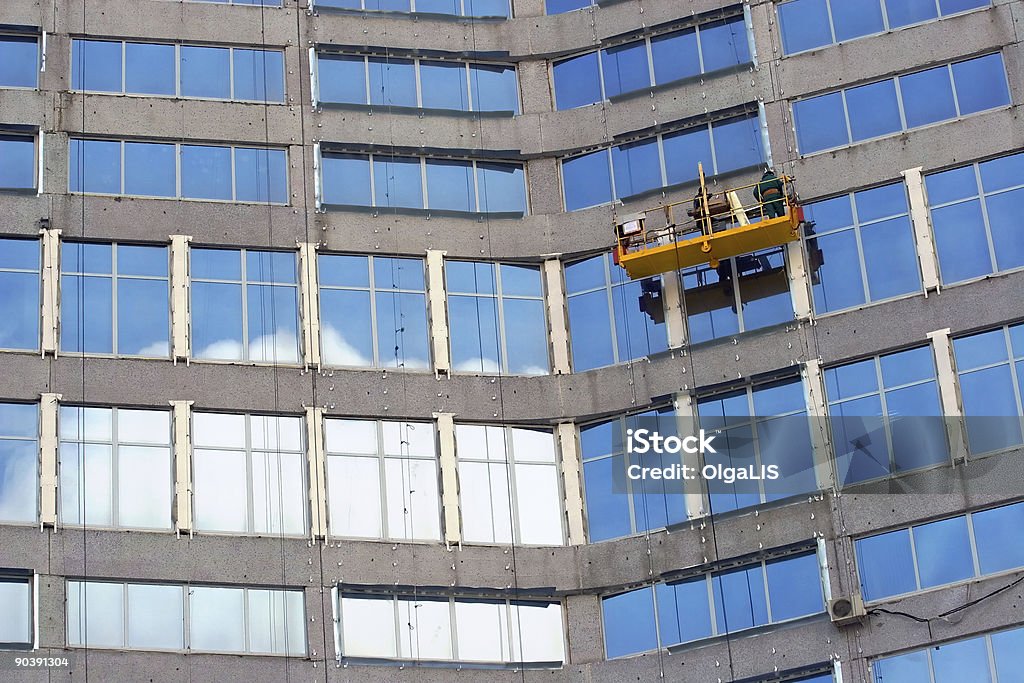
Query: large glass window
(19,465)
(861,248)
(174,70)
(596,76)
(425,83)
(460,186)
(115,467)
(617,505)
(877,109)
(606,322)
(810,24)
(446,629)
(633,168)
(19,61)
(508,485)
(17,161)
(114,298)
(373,311)
(382,479)
(974,218)
(163,169)
(758,428)
(143,616)
(712,604)
(940,553)
(20,296)
(497,320)
(245,305)
(249,474)
(973,659)
(17,610)
(990,366)
(464,8)
(885,415)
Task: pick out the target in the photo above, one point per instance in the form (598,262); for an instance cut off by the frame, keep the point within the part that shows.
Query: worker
(770,192)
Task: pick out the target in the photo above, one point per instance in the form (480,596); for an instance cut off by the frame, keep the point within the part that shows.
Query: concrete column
(558,320)
(449,478)
(48,444)
(686,424)
(817,414)
(586,638)
(799,283)
(571,473)
(182,420)
(309,291)
(948,394)
(924,238)
(180,342)
(51,291)
(437,301)
(675,316)
(317,472)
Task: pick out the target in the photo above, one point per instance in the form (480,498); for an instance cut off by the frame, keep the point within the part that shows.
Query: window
(257,3)
(249,474)
(373,311)
(940,553)
(974,218)
(990,366)
(114,298)
(206,172)
(497,319)
(742,294)
(668,159)
(19,465)
(713,604)
(227,73)
(973,659)
(17,612)
(143,616)
(596,76)
(916,99)
(757,428)
(861,248)
(428,84)
(450,629)
(810,24)
(382,479)
(508,485)
(453,185)
(885,415)
(115,467)
(20,297)
(605,320)
(245,305)
(17,161)
(562,6)
(617,505)
(19,60)
(463,8)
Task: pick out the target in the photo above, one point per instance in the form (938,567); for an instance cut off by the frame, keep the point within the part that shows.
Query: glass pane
(577,81)
(354,491)
(495,87)
(873,110)
(398,182)
(590,329)
(1008,650)
(143,319)
(980,349)
(890,258)
(855,18)
(19,309)
(443,85)
(947,7)
(19,61)
(1001,173)
(909,668)
(205,172)
(710,305)
(966,660)
(637,167)
(205,72)
(273,320)
(675,56)
(216,619)
(948,186)
(684,613)
(19,482)
(740,599)
(981,84)
(481,631)
(765,291)
(991,529)
(608,513)
(87,311)
(218,429)
(625,68)
(425,627)
(96,65)
(217,321)
(216,264)
(991,408)
(820,123)
(737,144)
(961,242)
(475,336)
(724,44)
(561,6)
(886,565)
(392,82)
(905,367)
(526,337)
(156,619)
(342,78)
(402,330)
(346,180)
(804,24)
(537,633)
(586,180)
(502,188)
(412,498)
(346,337)
(927,97)
(450,185)
(96,614)
(794,586)
(16,606)
(276,621)
(259,75)
(368,627)
(261,175)
(1007,237)
(539,504)
(943,552)
(344,271)
(221,492)
(278,482)
(629,623)
(149,69)
(906,12)
(95,166)
(149,169)
(838,284)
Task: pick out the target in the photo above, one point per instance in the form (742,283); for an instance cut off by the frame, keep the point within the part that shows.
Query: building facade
(315,362)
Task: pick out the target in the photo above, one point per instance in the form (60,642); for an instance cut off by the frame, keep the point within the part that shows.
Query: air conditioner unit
(844,611)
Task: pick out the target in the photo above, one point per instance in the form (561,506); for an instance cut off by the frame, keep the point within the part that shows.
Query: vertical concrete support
(686,424)
(48,405)
(817,413)
(317,472)
(51,290)
(309,291)
(180,345)
(437,301)
(569,449)
(675,317)
(449,477)
(924,238)
(799,284)
(558,321)
(182,419)
(951,406)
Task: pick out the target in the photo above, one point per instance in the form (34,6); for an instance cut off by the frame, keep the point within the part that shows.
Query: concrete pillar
(687,424)
(449,478)
(309,310)
(818,415)
(180,338)
(799,283)
(437,303)
(675,316)
(48,444)
(949,397)
(317,472)
(558,320)
(182,421)
(571,476)
(924,238)
(51,291)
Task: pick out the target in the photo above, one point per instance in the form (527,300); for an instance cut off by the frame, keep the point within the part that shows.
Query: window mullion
(383,474)
(983,202)
(375,358)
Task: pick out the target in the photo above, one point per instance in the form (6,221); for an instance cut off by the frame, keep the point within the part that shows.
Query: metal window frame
(35,441)
(40,67)
(35,136)
(928,652)
(38,272)
(29,579)
(1011,365)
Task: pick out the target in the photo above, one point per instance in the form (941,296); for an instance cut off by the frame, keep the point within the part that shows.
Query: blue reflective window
(586,180)
(205,172)
(149,169)
(740,601)
(502,188)
(981,84)
(450,185)
(17,162)
(625,68)
(259,75)
(911,667)
(19,294)
(577,81)
(149,69)
(794,585)
(873,110)
(111,299)
(637,167)
(398,182)
(962,660)
(990,367)
(1008,650)
(392,81)
(737,144)
(856,18)
(561,6)
(906,12)
(96,65)
(495,87)
(943,552)
(95,166)
(629,623)
(261,175)
(443,85)
(346,179)
(992,529)
(675,56)
(263,285)
(205,71)
(820,122)
(927,96)
(342,78)
(19,61)
(684,613)
(684,151)
(886,565)
(804,25)
(19,456)
(724,44)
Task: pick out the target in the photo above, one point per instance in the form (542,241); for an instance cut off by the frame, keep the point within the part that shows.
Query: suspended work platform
(711,228)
